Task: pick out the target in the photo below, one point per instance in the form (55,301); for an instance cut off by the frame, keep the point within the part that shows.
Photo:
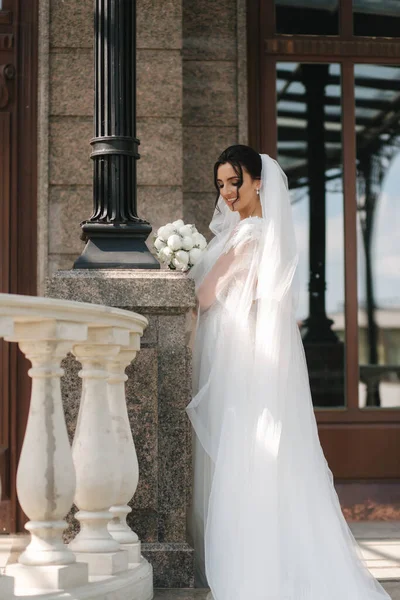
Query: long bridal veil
(266,519)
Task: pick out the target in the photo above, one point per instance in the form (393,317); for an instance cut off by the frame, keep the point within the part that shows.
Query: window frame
(265,50)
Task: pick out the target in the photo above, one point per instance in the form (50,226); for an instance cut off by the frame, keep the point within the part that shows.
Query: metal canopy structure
(377,111)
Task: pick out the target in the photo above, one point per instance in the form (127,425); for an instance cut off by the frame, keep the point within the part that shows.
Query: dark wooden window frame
(346,50)
(18,217)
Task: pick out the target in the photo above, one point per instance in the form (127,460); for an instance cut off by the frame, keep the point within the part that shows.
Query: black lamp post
(115,234)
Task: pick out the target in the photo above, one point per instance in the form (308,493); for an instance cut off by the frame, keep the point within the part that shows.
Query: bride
(266,522)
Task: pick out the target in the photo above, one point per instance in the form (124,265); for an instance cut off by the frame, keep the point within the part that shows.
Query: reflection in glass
(302,17)
(377,92)
(310,152)
(380,18)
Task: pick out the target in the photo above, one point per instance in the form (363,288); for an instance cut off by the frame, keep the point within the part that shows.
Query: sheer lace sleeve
(235,271)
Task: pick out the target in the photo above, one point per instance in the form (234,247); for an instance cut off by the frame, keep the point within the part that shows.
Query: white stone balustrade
(99,473)
(127,458)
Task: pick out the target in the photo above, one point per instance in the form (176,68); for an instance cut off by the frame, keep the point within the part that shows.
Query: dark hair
(240,157)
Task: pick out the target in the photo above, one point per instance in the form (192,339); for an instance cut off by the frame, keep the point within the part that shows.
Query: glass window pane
(310,151)
(377,18)
(378,203)
(307,17)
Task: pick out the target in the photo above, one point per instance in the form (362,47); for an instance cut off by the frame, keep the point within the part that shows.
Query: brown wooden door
(18,256)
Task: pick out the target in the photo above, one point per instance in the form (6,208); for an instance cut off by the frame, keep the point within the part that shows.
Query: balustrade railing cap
(24,308)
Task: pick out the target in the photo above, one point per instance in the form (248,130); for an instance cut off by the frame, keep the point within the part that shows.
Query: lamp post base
(112,246)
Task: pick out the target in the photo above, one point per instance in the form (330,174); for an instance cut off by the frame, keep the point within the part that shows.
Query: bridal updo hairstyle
(240,157)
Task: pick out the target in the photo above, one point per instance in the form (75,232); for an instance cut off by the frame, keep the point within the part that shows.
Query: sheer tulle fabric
(266,521)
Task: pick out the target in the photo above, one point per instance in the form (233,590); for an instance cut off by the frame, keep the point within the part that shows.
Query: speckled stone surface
(68,206)
(210,99)
(172,564)
(161,151)
(201,148)
(209,89)
(60,261)
(198,209)
(159,205)
(209,29)
(159,24)
(70,150)
(185,594)
(151,292)
(242,84)
(157,391)
(71,23)
(161,70)
(68,71)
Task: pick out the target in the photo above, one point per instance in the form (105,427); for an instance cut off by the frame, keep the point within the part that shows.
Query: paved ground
(393,589)
(180,594)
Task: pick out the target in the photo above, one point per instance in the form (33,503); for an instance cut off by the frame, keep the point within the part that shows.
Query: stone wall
(209,99)
(159,119)
(191,104)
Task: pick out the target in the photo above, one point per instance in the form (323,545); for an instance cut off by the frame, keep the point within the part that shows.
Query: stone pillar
(157,391)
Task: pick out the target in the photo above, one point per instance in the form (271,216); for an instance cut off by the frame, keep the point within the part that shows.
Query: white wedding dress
(266,521)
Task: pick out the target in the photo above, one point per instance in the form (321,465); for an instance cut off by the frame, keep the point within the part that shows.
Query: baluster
(95,455)
(46,476)
(118,527)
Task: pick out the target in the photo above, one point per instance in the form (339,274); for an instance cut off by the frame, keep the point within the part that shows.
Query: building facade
(315,84)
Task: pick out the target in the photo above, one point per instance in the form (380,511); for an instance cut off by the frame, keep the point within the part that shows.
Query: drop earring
(258,192)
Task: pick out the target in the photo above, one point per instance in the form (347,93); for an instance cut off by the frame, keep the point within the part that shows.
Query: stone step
(380,546)
(182,594)
(392,588)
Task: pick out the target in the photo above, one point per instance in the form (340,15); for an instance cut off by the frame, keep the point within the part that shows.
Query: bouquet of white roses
(179,246)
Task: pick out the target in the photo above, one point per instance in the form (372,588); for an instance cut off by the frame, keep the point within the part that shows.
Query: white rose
(194,256)
(160,231)
(178,224)
(175,242)
(181,260)
(166,231)
(165,254)
(199,240)
(159,244)
(182,256)
(187,242)
(185,230)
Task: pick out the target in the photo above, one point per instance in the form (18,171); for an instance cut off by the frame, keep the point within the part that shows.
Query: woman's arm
(207,292)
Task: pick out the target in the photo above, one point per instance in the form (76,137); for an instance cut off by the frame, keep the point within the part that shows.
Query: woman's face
(237,199)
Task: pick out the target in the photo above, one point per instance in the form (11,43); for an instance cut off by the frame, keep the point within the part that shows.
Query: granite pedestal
(158,390)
